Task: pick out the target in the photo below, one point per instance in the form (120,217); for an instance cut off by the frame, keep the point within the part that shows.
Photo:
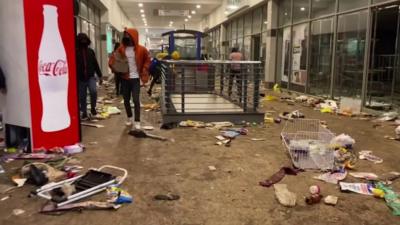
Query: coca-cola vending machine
(48,33)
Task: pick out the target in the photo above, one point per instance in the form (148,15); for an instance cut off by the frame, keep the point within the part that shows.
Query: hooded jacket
(142,57)
(86,61)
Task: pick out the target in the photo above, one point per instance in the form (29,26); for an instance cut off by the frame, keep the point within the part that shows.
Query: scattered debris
(92,125)
(389,116)
(2,170)
(73,149)
(290,116)
(5,198)
(51,208)
(332,178)
(142,134)
(18,180)
(390,177)
(361,188)
(117,195)
(331,200)
(363,175)
(284,196)
(367,155)
(167,197)
(212,168)
(278,176)
(328,106)
(148,128)
(17,212)
(258,139)
(392,198)
(315,197)
(343,140)
(397,131)
(349,106)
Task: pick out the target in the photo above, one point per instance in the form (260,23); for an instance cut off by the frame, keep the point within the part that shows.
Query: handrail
(210,62)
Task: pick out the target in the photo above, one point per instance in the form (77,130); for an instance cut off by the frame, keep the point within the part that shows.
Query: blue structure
(174,36)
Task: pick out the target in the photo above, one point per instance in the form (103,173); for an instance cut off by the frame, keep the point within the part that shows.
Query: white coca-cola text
(57,68)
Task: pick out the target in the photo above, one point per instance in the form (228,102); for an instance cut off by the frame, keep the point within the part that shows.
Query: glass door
(383,75)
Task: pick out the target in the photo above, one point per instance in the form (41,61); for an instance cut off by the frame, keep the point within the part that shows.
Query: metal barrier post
(256,86)
(183,89)
(243,82)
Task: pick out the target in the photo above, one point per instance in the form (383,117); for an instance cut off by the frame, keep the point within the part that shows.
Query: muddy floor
(230,195)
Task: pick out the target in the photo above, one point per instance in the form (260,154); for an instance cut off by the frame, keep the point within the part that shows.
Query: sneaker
(85,118)
(128,122)
(93,112)
(137,125)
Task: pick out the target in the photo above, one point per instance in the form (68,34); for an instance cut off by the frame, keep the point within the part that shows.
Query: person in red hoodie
(138,61)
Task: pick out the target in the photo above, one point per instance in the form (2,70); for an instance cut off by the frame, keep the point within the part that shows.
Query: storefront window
(284,57)
(264,17)
(246,48)
(240,27)
(257,17)
(323,7)
(285,12)
(350,54)
(83,9)
(321,57)
(228,31)
(301,9)
(234,29)
(299,57)
(247,24)
(352,4)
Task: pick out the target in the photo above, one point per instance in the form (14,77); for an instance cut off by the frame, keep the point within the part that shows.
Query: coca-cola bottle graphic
(53,74)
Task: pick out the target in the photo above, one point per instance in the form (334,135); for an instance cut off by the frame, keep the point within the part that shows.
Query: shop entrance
(256,47)
(383,86)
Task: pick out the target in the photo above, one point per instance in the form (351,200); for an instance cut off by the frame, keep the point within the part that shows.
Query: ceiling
(155,21)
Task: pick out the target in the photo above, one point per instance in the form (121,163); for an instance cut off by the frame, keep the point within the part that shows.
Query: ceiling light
(226,12)
(140,4)
(285,13)
(147,30)
(193,12)
(303,9)
(233,7)
(189,16)
(186,20)
(143,15)
(198,6)
(142,10)
(265,22)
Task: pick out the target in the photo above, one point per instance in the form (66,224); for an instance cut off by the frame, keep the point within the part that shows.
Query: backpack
(153,66)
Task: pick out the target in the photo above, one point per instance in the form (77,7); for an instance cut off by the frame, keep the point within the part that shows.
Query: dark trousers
(235,74)
(83,87)
(155,79)
(130,88)
(117,79)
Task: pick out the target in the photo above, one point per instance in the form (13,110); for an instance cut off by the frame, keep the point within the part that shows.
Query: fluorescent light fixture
(143,15)
(193,12)
(189,16)
(186,20)
(140,4)
(147,30)
(198,6)
(232,7)
(303,9)
(142,10)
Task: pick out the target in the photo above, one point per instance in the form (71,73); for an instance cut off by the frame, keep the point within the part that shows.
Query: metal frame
(213,97)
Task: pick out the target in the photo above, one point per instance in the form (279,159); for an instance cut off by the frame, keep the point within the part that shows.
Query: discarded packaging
(258,139)
(118,195)
(350,106)
(19,181)
(212,168)
(367,155)
(331,200)
(389,116)
(90,205)
(343,140)
(313,199)
(363,175)
(332,178)
(278,176)
(392,198)
(284,196)
(73,149)
(361,188)
(17,212)
(148,128)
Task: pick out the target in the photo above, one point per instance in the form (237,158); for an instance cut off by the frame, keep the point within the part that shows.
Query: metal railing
(212,86)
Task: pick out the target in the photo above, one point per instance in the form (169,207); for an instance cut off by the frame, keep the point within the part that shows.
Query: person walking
(117,75)
(235,73)
(87,67)
(137,62)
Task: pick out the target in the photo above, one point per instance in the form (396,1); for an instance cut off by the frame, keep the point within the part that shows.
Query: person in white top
(137,62)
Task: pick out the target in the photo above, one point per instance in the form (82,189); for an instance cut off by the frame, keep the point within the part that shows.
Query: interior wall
(114,15)
(13,61)
(218,15)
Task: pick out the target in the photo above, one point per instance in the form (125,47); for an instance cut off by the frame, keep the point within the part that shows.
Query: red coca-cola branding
(58,68)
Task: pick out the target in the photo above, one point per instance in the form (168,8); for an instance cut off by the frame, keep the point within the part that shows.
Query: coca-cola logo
(58,68)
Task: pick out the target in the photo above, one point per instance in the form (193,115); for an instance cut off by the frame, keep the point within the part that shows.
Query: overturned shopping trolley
(88,184)
(308,144)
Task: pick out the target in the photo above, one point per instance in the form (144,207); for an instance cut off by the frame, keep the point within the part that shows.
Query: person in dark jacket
(87,67)
(3,88)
